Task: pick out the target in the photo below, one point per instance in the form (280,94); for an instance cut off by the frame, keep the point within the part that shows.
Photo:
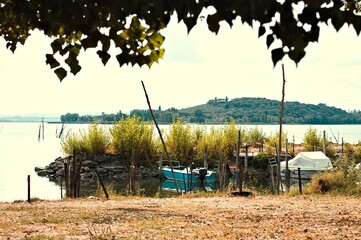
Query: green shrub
(260,161)
(93,141)
(132,137)
(96,139)
(332,182)
(73,142)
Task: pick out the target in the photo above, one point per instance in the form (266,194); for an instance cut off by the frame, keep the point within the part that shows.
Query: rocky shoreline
(108,166)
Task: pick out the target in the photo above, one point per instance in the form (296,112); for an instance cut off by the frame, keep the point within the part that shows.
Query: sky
(196,67)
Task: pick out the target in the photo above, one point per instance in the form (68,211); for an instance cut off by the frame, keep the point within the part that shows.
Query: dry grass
(215,217)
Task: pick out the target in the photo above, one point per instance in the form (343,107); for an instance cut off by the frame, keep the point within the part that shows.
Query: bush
(96,139)
(333,182)
(71,143)
(260,161)
(92,142)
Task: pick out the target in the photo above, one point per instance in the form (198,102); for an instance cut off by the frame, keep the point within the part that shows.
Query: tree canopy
(134,26)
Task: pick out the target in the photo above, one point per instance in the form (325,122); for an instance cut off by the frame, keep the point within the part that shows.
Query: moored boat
(183,173)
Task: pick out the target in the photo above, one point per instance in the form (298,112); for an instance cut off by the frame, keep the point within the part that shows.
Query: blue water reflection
(170,185)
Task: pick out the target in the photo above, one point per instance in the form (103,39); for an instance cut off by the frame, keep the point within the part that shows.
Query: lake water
(20,152)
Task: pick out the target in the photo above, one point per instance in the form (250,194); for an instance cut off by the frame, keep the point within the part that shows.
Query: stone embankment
(108,166)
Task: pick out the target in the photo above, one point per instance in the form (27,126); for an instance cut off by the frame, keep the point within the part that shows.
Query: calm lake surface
(21,152)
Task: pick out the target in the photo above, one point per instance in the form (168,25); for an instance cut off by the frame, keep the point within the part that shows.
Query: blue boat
(185,174)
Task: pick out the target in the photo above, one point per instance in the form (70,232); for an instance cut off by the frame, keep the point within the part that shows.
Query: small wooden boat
(183,173)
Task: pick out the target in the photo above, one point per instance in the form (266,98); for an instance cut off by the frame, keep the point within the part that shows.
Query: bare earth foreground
(259,217)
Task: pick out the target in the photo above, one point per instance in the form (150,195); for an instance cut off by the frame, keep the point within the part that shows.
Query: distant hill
(256,111)
(29,118)
(243,110)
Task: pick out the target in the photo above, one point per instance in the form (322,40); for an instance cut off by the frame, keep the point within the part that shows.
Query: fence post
(29,198)
(299,180)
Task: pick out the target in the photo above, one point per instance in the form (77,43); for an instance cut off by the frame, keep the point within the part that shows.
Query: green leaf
(89,43)
(123,59)
(61,73)
(56,45)
(337,21)
(156,39)
(51,61)
(296,55)
(74,68)
(213,22)
(269,40)
(261,31)
(277,55)
(104,56)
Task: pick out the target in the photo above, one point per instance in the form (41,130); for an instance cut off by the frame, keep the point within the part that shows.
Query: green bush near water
(133,136)
(93,141)
(345,179)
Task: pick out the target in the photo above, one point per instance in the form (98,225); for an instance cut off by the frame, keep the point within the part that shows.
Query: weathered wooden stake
(240,181)
(160,135)
(299,180)
(280,133)
(66,176)
(272,180)
(29,198)
(102,184)
(61,187)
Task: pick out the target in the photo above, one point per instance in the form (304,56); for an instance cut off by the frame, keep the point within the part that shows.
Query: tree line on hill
(241,110)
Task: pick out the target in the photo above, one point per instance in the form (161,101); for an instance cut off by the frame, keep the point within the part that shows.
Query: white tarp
(309,161)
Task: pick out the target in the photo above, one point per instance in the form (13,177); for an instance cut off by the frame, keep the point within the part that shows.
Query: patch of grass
(99,232)
(332,182)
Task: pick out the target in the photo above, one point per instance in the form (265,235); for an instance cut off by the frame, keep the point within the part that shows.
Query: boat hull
(185,174)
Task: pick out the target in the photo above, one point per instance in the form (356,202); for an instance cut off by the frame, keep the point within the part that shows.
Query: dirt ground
(220,217)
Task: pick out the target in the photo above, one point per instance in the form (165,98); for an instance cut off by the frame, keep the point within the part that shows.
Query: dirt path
(260,217)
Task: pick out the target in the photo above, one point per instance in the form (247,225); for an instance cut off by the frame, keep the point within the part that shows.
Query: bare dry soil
(221,217)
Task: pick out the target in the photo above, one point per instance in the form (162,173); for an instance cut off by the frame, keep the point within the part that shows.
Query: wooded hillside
(243,110)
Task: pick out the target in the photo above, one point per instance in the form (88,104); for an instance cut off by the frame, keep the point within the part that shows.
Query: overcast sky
(195,68)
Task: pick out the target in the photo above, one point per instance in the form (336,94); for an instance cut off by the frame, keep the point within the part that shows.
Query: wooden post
(280,133)
(66,176)
(246,163)
(299,180)
(102,184)
(72,176)
(61,187)
(29,198)
(287,174)
(324,142)
(184,183)
(240,181)
(272,180)
(160,135)
(237,150)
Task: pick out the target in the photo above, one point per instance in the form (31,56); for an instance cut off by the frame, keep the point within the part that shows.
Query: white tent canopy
(317,161)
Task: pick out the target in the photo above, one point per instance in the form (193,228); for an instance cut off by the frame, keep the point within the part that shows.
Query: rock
(38,169)
(99,158)
(102,170)
(90,164)
(43,173)
(114,168)
(60,172)
(87,175)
